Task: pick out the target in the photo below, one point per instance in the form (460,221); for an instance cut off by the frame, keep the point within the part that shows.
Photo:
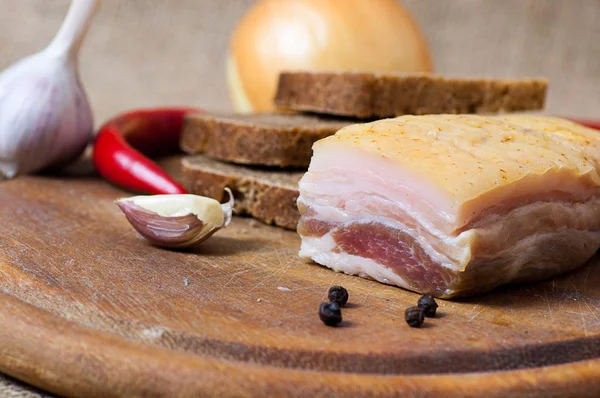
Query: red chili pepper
(594,124)
(123,141)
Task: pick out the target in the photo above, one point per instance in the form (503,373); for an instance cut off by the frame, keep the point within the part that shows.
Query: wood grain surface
(89,309)
(552,38)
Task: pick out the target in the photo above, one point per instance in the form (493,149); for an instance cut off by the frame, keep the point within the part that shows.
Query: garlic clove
(176,221)
(228,208)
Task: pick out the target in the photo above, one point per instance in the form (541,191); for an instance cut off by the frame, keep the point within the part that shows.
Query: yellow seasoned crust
(481,160)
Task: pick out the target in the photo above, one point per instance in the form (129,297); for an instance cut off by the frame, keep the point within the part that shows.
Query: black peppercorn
(414,316)
(338,294)
(330,313)
(429,305)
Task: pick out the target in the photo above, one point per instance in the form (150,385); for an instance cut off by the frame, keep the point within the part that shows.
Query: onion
(356,35)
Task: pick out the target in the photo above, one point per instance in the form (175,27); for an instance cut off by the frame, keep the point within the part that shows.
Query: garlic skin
(177,220)
(45,117)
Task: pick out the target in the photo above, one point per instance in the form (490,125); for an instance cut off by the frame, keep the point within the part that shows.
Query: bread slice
(265,194)
(283,140)
(371,95)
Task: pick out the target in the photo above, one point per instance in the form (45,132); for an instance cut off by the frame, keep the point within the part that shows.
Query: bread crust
(282,140)
(371,95)
(265,194)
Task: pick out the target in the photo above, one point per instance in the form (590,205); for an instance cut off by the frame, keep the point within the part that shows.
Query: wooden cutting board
(89,309)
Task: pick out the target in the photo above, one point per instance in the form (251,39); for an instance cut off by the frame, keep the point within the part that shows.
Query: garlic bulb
(176,220)
(45,118)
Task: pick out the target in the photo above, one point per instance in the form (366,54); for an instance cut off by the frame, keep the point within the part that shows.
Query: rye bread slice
(265,194)
(373,95)
(283,140)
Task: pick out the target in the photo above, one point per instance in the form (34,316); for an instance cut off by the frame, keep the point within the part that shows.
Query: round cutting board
(87,308)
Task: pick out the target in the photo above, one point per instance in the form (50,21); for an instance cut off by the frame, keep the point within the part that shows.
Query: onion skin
(355,35)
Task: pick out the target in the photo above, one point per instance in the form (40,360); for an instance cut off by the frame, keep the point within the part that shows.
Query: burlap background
(160,52)
(154,52)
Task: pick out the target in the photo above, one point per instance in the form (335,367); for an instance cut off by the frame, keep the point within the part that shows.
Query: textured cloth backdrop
(155,52)
(161,52)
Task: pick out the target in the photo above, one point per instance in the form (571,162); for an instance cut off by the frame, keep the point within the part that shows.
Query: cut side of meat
(453,205)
